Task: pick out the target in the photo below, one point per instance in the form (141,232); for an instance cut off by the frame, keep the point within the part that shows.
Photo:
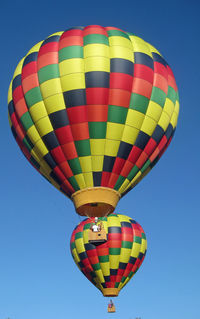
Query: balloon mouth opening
(110,292)
(96,201)
(97,210)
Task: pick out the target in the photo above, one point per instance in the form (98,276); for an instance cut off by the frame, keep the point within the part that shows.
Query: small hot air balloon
(110,265)
(93,109)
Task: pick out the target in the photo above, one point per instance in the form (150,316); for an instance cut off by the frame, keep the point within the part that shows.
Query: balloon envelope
(93,109)
(111,265)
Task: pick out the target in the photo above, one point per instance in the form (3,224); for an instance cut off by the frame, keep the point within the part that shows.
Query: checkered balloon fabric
(109,266)
(93,107)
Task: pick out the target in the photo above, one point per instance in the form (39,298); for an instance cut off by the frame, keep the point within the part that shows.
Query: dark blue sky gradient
(38,278)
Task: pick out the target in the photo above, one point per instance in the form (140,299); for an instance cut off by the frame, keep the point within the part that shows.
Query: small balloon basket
(97,237)
(111,308)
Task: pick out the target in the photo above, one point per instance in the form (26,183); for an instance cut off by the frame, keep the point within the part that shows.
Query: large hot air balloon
(109,266)
(93,109)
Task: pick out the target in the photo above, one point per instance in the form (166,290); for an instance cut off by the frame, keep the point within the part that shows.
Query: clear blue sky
(38,279)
